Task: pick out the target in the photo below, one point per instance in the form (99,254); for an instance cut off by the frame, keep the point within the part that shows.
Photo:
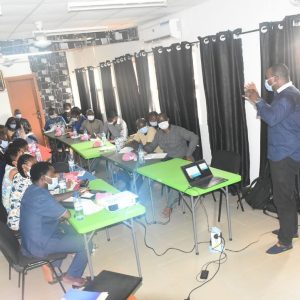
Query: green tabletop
(104,217)
(129,166)
(169,173)
(87,151)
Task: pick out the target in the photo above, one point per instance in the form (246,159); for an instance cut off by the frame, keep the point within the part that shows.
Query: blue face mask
(4,144)
(268,86)
(143,130)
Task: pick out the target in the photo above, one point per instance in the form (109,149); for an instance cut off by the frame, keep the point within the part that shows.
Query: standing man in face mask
(91,125)
(115,127)
(173,140)
(22,122)
(283,119)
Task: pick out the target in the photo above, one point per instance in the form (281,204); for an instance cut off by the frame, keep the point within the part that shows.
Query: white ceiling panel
(18,16)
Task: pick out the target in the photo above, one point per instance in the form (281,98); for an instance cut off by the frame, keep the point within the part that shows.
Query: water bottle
(141,156)
(71,162)
(38,154)
(62,184)
(118,145)
(74,134)
(103,137)
(85,134)
(79,215)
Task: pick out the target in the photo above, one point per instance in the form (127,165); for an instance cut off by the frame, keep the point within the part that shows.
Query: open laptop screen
(193,172)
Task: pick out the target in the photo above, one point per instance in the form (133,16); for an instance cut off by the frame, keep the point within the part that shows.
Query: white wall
(21,67)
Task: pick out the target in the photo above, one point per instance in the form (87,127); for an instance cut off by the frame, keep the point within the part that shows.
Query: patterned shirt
(19,186)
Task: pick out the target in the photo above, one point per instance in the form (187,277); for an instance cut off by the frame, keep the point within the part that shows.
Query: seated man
(173,140)
(152,119)
(53,119)
(115,127)
(91,125)
(67,112)
(41,231)
(77,118)
(144,135)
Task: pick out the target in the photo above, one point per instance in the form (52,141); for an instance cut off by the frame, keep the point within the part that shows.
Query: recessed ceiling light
(114,4)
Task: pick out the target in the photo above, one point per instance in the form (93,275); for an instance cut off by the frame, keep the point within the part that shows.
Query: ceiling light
(63,31)
(114,4)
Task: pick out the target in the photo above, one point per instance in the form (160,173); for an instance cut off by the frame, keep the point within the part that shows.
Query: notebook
(198,174)
(75,294)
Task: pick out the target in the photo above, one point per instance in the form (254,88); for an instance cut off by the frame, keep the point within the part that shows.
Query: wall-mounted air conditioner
(162,30)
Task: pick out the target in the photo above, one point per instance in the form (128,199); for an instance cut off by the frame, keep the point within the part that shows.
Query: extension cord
(216,245)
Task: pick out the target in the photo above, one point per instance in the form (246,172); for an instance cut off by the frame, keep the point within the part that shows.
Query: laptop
(198,174)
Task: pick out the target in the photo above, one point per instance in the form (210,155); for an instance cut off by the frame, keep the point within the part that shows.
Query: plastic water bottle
(79,215)
(103,137)
(118,145)
(38,154)
(71,162)
(141,155)
(62,184)
(74,134)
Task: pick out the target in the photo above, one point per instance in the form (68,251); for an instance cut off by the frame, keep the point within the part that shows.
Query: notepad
(155,156)
(75,294)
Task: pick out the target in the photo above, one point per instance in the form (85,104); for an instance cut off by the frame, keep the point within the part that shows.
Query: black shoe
(276,231)
(276,249)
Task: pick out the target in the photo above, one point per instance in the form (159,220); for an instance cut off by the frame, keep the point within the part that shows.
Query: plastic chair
(230,162)
(10,248)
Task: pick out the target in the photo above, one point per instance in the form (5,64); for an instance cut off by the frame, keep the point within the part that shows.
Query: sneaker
(295,236)
(278,248)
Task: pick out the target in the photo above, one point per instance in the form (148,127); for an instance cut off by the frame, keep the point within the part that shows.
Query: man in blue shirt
(283,119)
(41,229)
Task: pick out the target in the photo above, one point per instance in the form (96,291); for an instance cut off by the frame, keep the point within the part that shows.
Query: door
(23,94)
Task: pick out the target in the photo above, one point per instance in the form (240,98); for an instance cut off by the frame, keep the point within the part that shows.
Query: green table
(170,174)
(104,218)
(129,166)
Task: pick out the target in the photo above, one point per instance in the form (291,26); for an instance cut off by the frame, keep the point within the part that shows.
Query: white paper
(102,296)
(87,195)
(89,207)
(155,156)
(126,150)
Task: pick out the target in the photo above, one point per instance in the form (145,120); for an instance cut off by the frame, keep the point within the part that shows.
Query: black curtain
(83,89)
(279,43)
(223,77)
(107,86)
(176,86)
(131,105)
(94,94)
(143,77)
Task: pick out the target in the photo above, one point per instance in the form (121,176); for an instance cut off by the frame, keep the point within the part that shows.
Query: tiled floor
(250,274)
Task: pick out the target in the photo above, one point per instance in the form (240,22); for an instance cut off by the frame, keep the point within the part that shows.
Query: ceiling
(18,16)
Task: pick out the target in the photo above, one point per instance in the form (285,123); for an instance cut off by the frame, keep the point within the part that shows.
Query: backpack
(259,194)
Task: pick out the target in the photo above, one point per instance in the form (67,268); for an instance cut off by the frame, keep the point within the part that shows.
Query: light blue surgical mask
(13,125)
(4,144)
(268,86)
(143,130)
(53,184)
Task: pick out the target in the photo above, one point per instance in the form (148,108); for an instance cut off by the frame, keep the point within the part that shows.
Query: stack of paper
(75,294)
(155,156)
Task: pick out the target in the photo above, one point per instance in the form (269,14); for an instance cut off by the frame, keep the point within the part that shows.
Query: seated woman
(152,118)
(145,134)
(91,125)
(20,183)
(53,119)
(77,118)
(11,155)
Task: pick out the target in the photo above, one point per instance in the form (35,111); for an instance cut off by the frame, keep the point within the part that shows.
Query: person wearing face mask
(53,119)
(115,127)
(283,119)
(3,146)
(77,118)
(41,228)
(145,134)
(22,122)
(177,142)
(20,183)
(67,112)
(152,118)
(91,125)
(11,125)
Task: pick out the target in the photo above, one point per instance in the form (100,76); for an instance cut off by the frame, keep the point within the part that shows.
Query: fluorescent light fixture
(70,30)
(114,4)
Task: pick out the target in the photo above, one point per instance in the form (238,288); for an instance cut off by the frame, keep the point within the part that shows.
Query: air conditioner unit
(166,29)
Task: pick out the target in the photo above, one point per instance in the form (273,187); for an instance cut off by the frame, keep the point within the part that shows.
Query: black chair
(61,167)
(10,248)
(230,162)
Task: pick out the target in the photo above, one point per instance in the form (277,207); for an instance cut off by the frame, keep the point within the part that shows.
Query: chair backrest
(9,245)
(227,161)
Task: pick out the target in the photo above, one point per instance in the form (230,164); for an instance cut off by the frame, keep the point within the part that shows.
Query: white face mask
(153,124)
(67,110)
(163,125)
(18,116)
(91,118)
(4,144)
(13,126)
(54,184)
(268,86)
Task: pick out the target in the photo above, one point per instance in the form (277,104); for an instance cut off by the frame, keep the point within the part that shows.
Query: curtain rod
(192,43)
